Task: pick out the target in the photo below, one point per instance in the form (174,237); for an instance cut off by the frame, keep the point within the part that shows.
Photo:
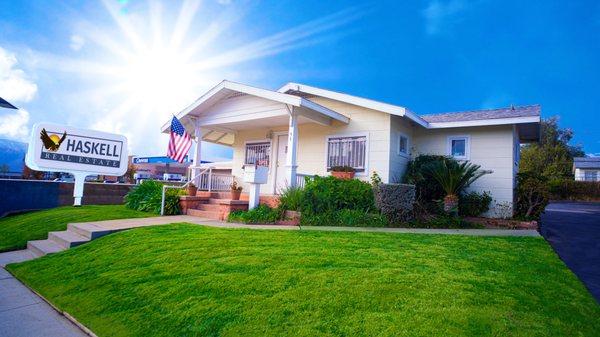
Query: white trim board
(359,101)
(485,122)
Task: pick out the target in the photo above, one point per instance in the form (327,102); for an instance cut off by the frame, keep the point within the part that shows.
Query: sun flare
(147,67)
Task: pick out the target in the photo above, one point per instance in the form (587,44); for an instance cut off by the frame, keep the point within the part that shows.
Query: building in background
(586,168)
(160,167)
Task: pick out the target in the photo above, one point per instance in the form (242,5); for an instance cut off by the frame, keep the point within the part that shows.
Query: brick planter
(190,202)
(343,175)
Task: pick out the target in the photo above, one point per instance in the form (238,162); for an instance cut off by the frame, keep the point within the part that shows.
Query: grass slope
(188,280)
(16,230)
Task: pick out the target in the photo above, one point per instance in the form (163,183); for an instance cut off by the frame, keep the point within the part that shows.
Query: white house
(300,130)
(586,168)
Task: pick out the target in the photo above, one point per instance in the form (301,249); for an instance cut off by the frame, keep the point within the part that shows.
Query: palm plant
(453,177)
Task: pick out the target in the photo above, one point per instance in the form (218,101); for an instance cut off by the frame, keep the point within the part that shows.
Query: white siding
(312,142)
(492,147)
(399,162)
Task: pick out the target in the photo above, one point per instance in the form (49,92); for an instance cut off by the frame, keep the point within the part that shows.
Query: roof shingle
(508,112)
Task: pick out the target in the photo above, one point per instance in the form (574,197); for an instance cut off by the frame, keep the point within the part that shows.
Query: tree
(533,194)
(31,174)
(453,177)
(129,174)
(553,156)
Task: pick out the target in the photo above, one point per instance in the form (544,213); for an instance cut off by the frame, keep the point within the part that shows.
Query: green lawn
(16,230)
(189,280)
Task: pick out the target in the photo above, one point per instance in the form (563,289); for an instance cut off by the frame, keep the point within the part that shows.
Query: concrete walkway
(470,232)
(24,314)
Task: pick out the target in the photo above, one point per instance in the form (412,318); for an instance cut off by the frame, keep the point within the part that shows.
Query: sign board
(157,160)
(81,152)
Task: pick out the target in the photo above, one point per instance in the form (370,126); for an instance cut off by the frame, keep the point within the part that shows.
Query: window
(347,151)
(458,147)
(402,144)
(590,175)
(258,153)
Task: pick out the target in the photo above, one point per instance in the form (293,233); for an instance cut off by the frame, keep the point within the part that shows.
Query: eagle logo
(52,142)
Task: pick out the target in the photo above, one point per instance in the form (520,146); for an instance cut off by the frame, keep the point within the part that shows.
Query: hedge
(395,201)
(567,189)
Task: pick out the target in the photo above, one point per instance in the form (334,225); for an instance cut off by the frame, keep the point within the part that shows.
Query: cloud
(15,86)
(438,13)
(77,41)
(224,2)
(14,124)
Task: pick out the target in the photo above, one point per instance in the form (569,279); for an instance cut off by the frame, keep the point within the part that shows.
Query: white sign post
(80,152)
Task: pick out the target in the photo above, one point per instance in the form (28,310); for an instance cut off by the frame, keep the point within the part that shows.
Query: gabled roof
(299,89)
(228,88)
(586,162)
(487,114)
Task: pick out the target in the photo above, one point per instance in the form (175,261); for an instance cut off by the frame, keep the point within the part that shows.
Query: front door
(280,181)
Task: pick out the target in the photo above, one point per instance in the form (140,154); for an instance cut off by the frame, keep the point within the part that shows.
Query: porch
(261,126)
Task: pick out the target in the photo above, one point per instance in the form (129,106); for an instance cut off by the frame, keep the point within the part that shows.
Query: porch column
(197,152)
(292,148)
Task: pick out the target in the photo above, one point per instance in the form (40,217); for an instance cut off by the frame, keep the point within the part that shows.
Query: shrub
(291,199)
(533,194)
(261,214)
(569,189)
(345,218)
(474,204)
(395,201)
(427,190)
(328,194)
(147,197)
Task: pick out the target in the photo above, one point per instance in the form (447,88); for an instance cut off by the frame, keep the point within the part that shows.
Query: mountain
(12,153)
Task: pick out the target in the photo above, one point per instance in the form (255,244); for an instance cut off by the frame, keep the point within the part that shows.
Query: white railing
(347,151)
(301,179)
(215,182)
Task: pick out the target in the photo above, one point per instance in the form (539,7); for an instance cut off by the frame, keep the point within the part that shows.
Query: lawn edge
(63,313)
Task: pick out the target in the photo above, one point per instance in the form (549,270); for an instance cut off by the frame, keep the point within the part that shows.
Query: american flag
(180,141)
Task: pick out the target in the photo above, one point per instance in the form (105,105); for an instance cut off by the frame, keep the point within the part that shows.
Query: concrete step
(88,231)
(43,247)
(205,214)
(209,207)
(227,201)
(67,239)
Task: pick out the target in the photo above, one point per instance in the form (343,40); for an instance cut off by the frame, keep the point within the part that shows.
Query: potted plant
(343,172)
(191,189)
(453,177)
(236,191)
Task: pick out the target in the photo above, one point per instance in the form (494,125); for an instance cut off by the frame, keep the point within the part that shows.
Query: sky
(126,66)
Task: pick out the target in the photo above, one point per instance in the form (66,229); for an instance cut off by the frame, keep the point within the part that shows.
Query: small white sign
(81,152)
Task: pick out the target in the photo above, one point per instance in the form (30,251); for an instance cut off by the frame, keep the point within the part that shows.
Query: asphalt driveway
(573,230)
